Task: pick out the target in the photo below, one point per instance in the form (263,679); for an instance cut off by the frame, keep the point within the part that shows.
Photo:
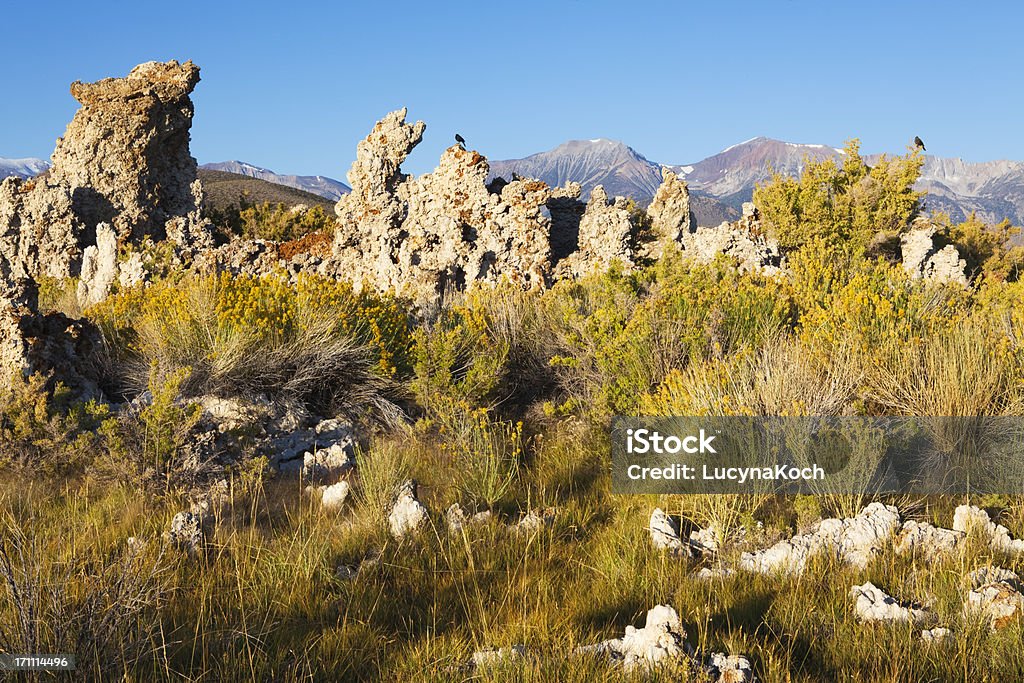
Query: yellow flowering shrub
(848,204)
(485,453)
(626,334)
(237,331)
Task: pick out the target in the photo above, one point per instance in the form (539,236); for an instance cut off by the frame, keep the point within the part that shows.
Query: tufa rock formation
(449,228)
(443,229)
(124,160)
(670,214)
(52,345)
(743,240)
(605,236)
(99,267)
(923,258)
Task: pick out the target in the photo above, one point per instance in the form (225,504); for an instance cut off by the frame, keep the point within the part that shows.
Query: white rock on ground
(936,635)
(457,518)
(327,463)
(852,540)
(708,573)
(705,540)
(491,657)
(1000,602)
(535,520)
(186,533)
(986,575)
(874,604)
(661,639)
(970,519)
(927,540)
(335,495)
(725,668)
(288,451)
(408,514)
(665,534)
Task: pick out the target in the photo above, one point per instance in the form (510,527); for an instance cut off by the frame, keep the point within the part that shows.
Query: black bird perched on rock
(919,143)
(461,140)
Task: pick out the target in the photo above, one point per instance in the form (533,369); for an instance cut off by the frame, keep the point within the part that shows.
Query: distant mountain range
(328,188)
(620,169)
(722,182)
(23,168)
(718,185)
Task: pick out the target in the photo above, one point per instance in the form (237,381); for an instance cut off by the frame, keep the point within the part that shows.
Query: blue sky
(294,85)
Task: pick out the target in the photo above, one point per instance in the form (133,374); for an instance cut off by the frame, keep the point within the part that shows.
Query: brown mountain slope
(224,190)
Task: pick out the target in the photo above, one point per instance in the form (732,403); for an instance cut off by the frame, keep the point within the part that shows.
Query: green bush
(274,222)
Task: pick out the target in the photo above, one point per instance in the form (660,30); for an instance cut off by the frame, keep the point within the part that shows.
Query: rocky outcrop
(970,519)
(124,161)
(852,541)
(936,635)
(126,152)
(605,236)
(334,496)
(445,229)
(1000,602)
(743,240)
(665,535)
(670,214)
(187,533)
(566,212)
(926,540)
(99,267)
(924,259)
(661,639)
(51,345)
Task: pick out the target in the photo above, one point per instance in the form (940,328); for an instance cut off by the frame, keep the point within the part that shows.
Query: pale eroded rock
(124,161)
(922,257)
(335,495)
(661,639)
(927,540)
(1000,602)
(973,520)
(408,515)
(853,541)
(665,534)
(874,604)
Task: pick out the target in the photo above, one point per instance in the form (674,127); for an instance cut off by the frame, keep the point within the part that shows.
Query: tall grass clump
(316,342)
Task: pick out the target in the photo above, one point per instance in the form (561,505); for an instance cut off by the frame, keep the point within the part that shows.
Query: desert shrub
(381,471)
(617,337)
(485,453)
(276,222)
(155,445)
(779,378)
(316,342)
(100,609)
(876,304)
(46,430)
(988,249)
(959,370)
(481,350)
(848,204)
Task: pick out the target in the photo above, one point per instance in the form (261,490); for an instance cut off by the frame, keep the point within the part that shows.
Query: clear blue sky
(294,85)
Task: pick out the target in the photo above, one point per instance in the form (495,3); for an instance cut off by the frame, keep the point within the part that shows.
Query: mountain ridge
(719,184)
(326,187)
